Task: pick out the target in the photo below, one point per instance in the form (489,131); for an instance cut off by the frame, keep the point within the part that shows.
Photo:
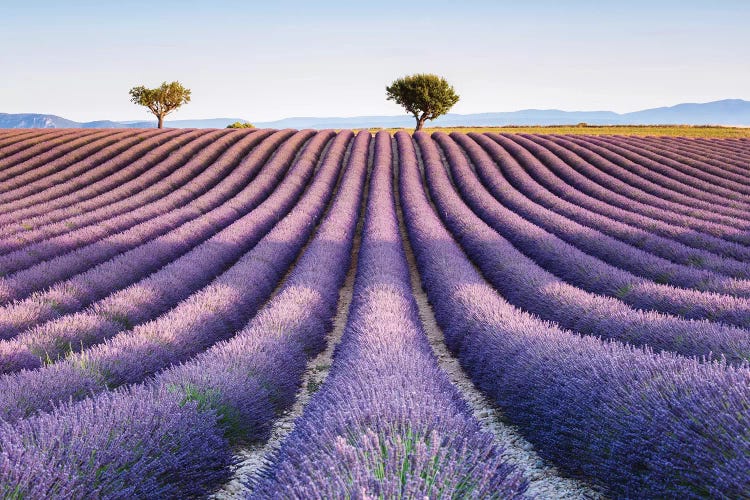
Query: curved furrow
(733,148)
(44,160)
(157,182)
(579,189)
(222,156)
(13,143)
(701,158)
(637,178)
(694,173)
(84,162)
(721,165)
(212,314)
(517,172)
(581,256)
(190,225)
(97,168)
(729,157)
(9,136)
(528,286)
(241,376)
(642,425)
(723,154)
(17,146)
(603,174)
(587,171)
(160,291)
(573,266)
(727,150)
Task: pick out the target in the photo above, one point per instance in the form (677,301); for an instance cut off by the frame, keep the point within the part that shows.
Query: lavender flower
(641,424)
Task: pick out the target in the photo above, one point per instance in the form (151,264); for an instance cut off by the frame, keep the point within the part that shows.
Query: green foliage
(229,418)
(241,125)
(162,100)
(313,386)
(425,96)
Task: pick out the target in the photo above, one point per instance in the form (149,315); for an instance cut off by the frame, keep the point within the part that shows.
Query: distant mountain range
(735,112)
(34,120)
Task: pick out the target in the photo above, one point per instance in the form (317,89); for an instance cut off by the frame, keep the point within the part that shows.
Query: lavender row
(198,177)
(157,182)
(161,290)
(12,136)
(49,146)
(722,154)
(43,263)
(678,176)
(653,177)
(589,240)
(212,314)
(13,140)
(715,166)
(604,171)
(48,161)
(97,167)
(728,148)
(528,286)
(77,167)
(233,390)
(98,242)
(193,224)
(577,189)
(608,172)
(412,437)
(581,269)
(507,173)
(12,144)
(643,425)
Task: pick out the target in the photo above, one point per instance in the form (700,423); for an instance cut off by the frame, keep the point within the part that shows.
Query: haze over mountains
(734,112)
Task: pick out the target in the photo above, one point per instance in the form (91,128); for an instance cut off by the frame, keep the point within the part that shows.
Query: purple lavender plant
(387,422)
(580,268)
(107,176)
(233,390)
(641,424)
(528,286)
(214,313)
(156,182)
(565,164)
(520,171)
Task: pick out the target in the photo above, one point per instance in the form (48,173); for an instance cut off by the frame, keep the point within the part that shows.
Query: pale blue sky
(269,60)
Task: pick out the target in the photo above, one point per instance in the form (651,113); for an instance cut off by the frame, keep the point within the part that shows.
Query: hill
(735,112)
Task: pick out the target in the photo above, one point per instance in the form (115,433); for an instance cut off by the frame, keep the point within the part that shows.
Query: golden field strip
(704,131)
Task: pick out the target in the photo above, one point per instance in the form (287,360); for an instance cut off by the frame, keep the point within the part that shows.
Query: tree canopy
(241,125)
(162,100)
(424,95)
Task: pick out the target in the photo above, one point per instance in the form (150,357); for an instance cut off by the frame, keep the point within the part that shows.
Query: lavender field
(317,314)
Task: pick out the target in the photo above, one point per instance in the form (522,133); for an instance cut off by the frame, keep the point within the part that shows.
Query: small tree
(162,100)
(425,96)
(241,125)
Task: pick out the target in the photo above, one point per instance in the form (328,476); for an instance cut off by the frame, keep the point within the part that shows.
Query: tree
(425,96)
(241,125)
(162,100)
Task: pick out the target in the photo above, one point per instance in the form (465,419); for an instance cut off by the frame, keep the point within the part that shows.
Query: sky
(266,60)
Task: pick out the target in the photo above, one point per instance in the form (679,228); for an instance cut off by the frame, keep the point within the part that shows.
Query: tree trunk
(161,121)
(420,124)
